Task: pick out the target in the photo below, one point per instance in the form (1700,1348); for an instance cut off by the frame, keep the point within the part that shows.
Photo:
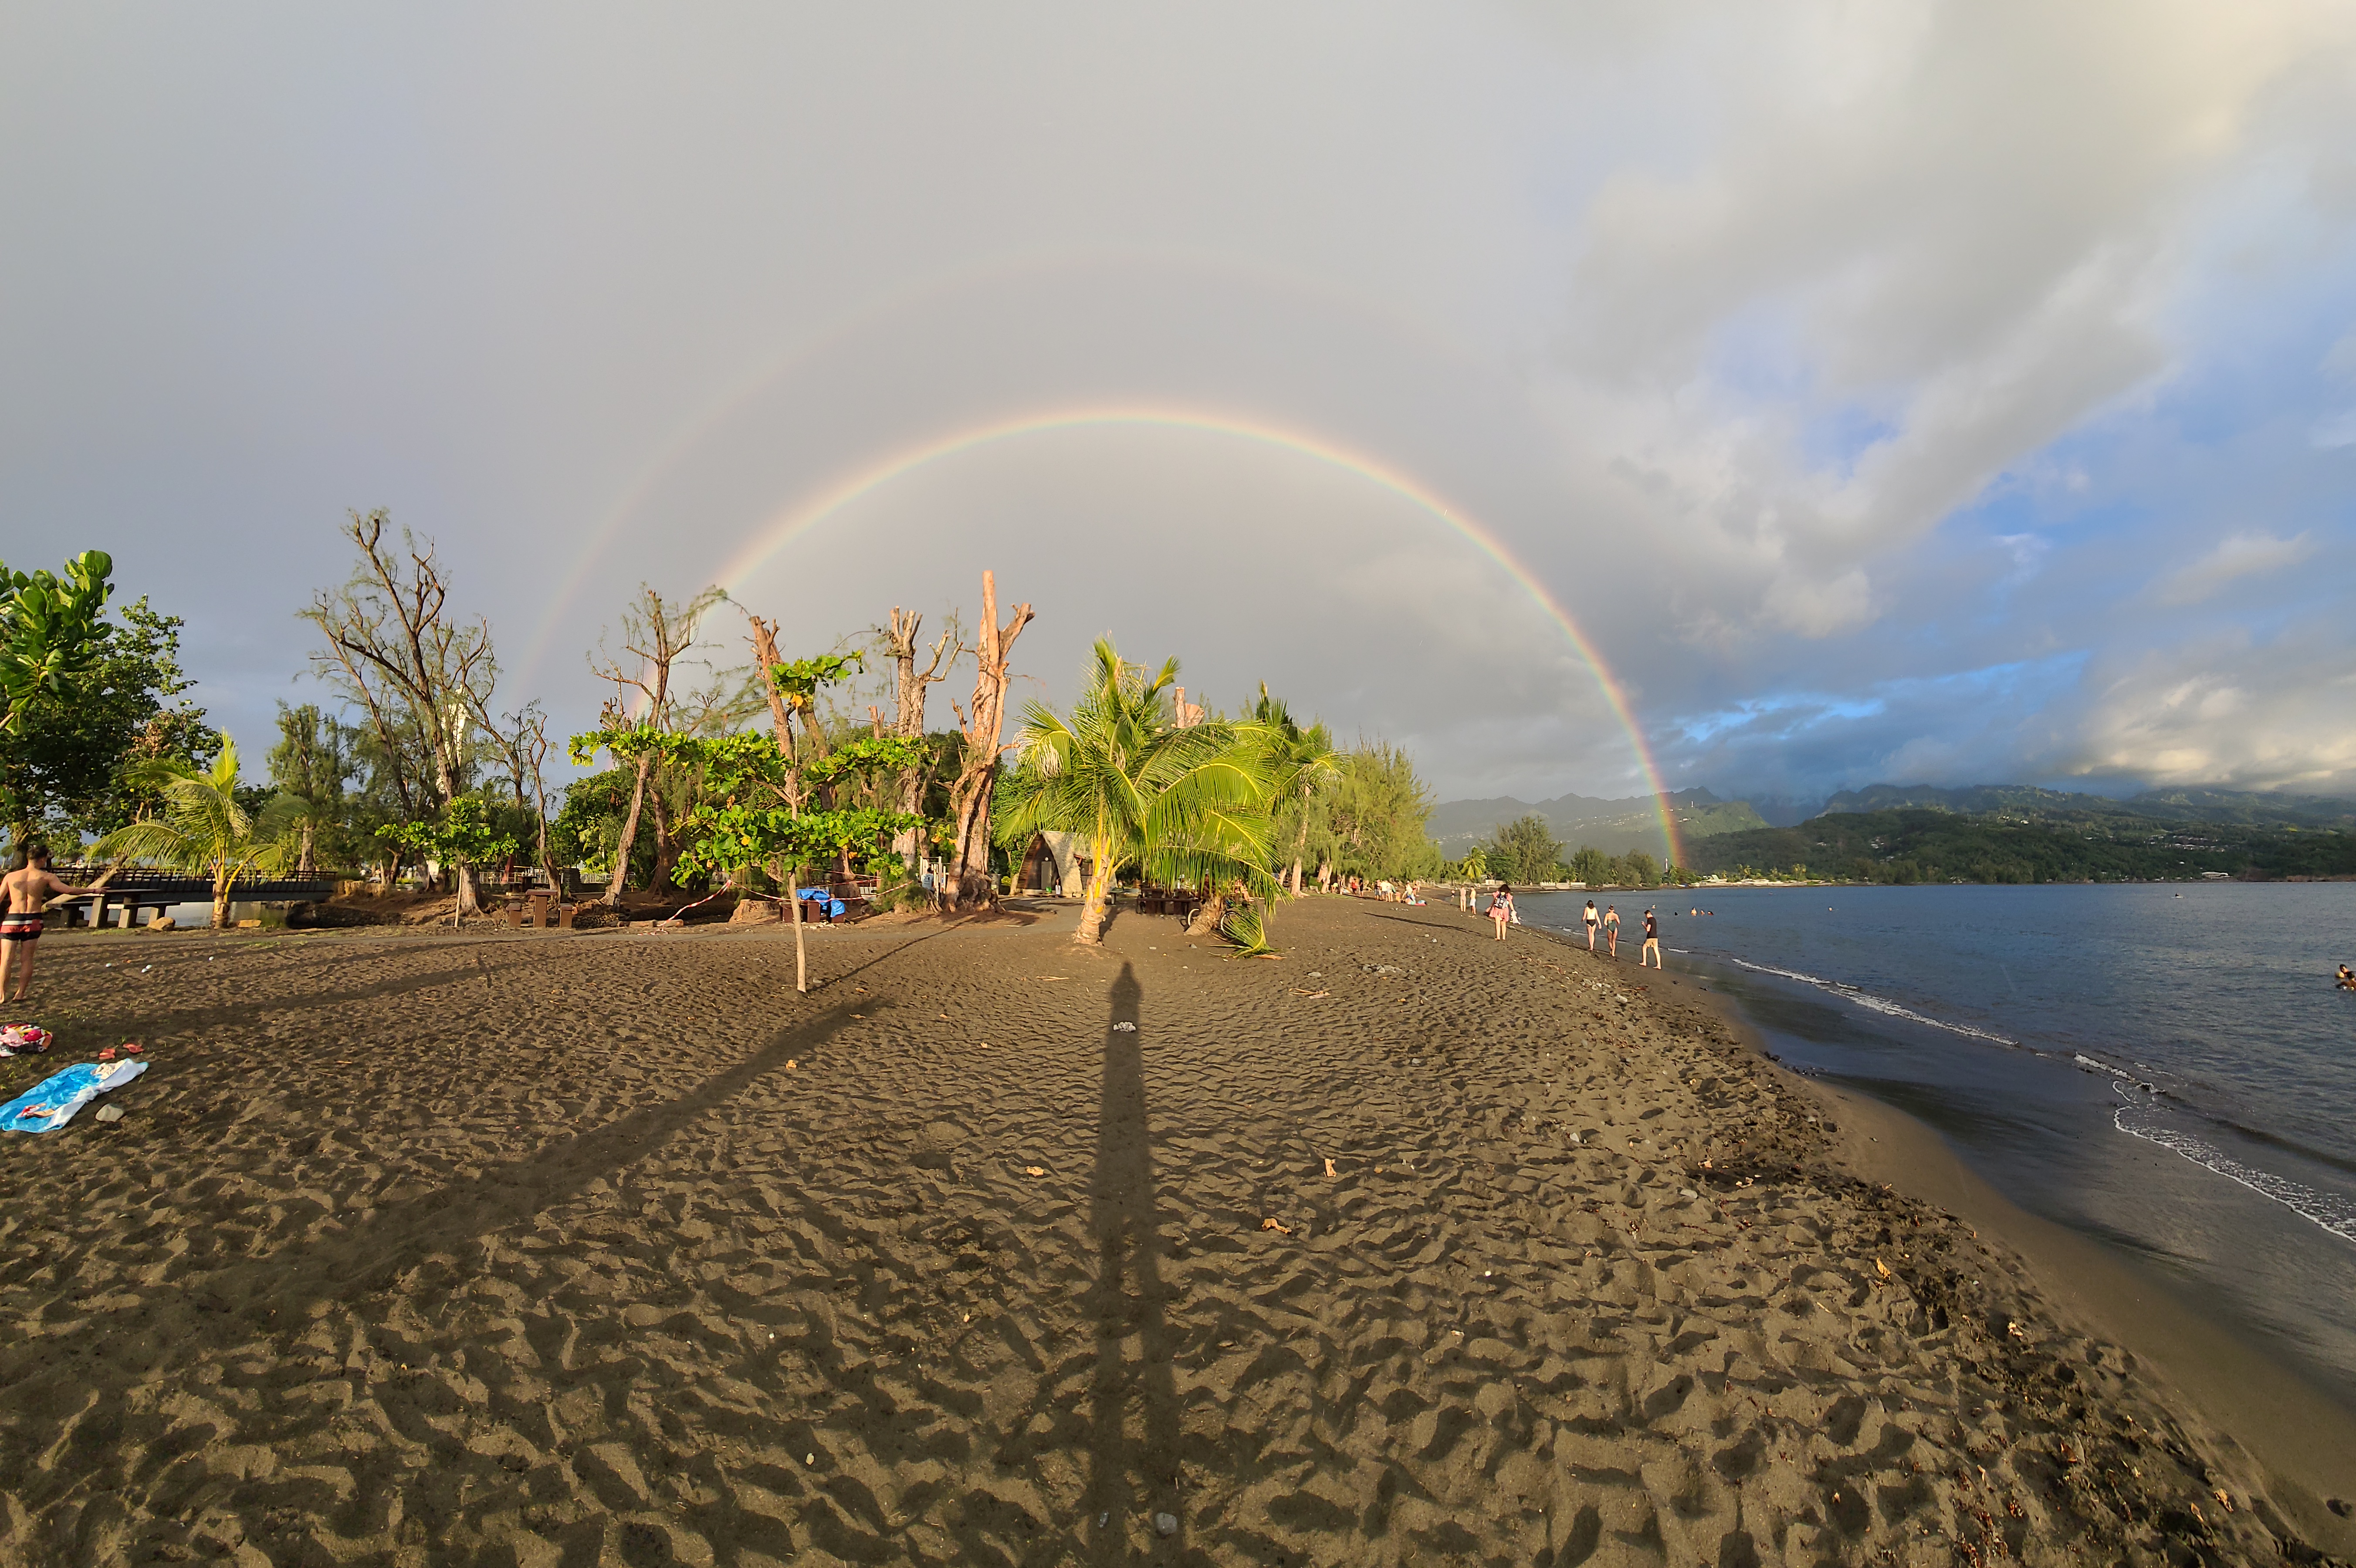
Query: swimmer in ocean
(2347,978)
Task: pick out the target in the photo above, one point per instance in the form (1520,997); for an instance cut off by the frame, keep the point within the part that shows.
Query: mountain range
(1617,826)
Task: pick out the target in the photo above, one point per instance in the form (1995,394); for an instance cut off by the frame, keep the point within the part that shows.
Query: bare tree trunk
(908,688)
(303,863)
(969,884)
(666,848)
(1207,918)
(764,650)
(629,838)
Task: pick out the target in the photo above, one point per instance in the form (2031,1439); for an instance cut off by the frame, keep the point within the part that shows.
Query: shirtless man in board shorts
(23,893)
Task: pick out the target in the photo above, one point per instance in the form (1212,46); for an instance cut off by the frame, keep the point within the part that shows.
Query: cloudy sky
(1909,392)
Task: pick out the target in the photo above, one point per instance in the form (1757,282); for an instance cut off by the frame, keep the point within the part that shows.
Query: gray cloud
(1801,355)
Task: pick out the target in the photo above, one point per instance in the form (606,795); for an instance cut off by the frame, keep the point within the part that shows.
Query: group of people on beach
(1501,912)
(1607,924)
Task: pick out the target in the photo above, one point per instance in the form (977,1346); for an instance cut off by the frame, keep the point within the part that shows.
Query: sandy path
(607,1248)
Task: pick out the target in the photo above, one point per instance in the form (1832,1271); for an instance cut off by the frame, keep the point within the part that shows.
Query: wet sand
(604,1247)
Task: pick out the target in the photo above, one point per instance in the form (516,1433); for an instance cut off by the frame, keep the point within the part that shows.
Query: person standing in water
(1652,948)
(1593,919)
(1501,907)
(23,894)
(1611,928)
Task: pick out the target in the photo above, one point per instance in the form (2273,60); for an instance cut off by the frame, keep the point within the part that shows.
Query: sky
(1778,399)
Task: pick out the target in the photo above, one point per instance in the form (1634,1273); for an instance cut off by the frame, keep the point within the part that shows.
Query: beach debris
(1382,968)
(110,1114)
(2012,1329)
(1317,974)
(1312,996)
(1279,1226)
(1329,1169)
(1689,1192)
(791,1064)
(2224,1499)
(1034,1170)
(1882,1268)
(809,1458)
(1166,1525)
(1124,1027)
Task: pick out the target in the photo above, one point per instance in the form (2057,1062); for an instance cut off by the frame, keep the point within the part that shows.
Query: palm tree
(202,827)
(1303,763)
(1182,804)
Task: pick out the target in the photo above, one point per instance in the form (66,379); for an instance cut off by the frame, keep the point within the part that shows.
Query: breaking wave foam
(2337,1215)
(1866,999)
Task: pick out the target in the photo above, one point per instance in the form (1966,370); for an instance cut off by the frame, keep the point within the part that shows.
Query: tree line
(1525,851)
(719,759)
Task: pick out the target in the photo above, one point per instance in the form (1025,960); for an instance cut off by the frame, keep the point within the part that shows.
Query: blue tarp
(828,904)
(62,1093)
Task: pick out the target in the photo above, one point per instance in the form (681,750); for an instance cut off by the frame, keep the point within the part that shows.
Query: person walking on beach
(1611,928)
(1652,948)
(1501,907)
(1593,920)
(23,894)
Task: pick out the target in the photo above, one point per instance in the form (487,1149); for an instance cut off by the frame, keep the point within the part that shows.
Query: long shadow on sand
(1128,1480)
(374,1252)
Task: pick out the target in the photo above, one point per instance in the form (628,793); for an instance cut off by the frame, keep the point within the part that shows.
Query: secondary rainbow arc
(798,519)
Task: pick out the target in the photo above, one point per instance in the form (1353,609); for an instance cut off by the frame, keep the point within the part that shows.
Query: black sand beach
(604,1247)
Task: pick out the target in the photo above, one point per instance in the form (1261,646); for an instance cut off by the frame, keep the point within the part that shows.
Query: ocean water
(2167,1068)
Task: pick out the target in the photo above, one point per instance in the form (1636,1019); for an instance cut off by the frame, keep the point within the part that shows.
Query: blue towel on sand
(66,1092)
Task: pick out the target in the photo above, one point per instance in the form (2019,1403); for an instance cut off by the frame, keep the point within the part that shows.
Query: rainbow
(808,513)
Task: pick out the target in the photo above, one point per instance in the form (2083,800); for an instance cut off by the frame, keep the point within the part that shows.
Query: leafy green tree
(67,769)
(1474,866)
(311,766)
(50,629)
(1185,803)
(761,806)
(465,837)
(1524,850)
(1370,823)
(1302,765)
(1638,869)
(202,826)
(1591,865)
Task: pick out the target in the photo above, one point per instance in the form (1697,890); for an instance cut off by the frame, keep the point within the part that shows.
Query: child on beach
(1652,948)
(24,892)
(1611,928)
(1501,907)
(1593,920)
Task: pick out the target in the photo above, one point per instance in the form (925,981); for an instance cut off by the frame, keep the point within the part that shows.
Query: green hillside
(1917,845)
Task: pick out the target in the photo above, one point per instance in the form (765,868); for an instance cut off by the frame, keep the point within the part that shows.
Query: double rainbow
(780,530)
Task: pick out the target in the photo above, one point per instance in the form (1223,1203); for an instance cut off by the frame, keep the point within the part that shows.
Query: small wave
(2337,1215)
(1882,1005)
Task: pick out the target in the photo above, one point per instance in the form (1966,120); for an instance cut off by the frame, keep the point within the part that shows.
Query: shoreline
(1410,1244)
(2304,1440)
